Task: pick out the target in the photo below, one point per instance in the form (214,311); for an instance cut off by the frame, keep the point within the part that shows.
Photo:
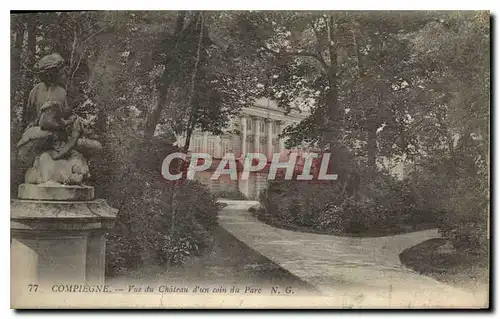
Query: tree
(212,64)
(354,71)
(170,50)
(460,88)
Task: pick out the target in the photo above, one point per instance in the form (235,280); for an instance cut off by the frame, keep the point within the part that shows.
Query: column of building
(243,185)
(269,139)
(243,121)
(257,122)
(280,125)
(218,147)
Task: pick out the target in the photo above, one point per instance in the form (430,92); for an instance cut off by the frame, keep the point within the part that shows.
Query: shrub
(122,253)
(331,218)
(381,204)
(231,194)
(175,250)
(295,203)
(470,235)
(147,230)
(459,192)
(359,216)
(466,231)
(458,189)
(197,198)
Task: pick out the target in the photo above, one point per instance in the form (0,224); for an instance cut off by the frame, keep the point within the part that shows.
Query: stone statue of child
(54,136)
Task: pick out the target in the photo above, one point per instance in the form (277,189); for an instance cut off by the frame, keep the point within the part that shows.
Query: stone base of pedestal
(58,241)
(55,191)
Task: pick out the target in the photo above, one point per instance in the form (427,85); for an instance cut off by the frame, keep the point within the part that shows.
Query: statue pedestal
(58,241)
(55,192)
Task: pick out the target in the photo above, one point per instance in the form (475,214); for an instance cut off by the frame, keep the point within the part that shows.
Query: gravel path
(355,272)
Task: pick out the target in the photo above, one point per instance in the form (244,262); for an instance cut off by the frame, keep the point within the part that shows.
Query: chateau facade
(255,130)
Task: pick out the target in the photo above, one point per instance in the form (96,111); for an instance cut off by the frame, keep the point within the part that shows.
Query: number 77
(32,287)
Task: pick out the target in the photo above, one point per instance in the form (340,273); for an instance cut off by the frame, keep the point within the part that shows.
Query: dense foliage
(386,206)
(122,66)
(387,85)
(405,87)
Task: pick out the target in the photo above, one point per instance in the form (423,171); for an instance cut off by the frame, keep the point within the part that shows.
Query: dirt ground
(230,263)
(457,268)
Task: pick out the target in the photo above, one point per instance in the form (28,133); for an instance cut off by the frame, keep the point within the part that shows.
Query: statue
(56,141)
(55,214)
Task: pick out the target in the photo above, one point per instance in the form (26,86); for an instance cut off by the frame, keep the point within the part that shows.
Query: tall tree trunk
(190,126)
(166,79)
(371,125)
(16,168)
(155,114)
(19,29)
(176,188)
(15,69)
(372,146)
(189,133)
(30,63)
(333,115)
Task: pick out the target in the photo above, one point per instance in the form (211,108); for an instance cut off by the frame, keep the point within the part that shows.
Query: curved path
(354,272)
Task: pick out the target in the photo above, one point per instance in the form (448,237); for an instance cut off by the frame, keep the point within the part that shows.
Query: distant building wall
(254,130)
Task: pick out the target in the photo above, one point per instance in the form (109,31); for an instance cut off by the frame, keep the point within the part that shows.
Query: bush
(122,253)
(360,216)
(332,218)
(356,217)
(295,203)
(459,193)
(381,205)
(175,250)
(231,194)
(147,230)
(467,232)
(469,236)
(197,198)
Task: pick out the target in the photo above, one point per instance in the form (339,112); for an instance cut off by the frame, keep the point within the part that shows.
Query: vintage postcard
(250,159)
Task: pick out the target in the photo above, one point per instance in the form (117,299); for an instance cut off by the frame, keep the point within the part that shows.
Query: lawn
(455,267)
(229,263)
(389,230)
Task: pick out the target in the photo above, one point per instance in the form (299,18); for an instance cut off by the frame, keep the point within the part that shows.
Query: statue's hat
(51,61)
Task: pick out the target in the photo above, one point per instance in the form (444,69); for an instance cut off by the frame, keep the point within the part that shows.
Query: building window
(249,124)
(262,127)
(223,148)
(211,150)
(197,145)
(226,147)
(275,131)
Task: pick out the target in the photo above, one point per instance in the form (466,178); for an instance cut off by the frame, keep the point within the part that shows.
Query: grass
(230,262)
(455,267)
(366,232)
